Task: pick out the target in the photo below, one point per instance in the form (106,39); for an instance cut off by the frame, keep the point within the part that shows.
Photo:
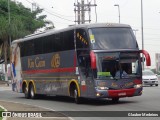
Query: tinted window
(68,40)
(112,38)
(81,39)
(38,43)
(27,48)
(47,44)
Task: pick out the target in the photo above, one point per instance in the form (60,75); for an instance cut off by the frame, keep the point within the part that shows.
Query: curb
(33,108)
(23,107)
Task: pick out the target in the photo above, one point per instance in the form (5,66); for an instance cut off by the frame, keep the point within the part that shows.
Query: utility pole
(34,6)
(80,9)
(142,32)
(82,12)
(78,13)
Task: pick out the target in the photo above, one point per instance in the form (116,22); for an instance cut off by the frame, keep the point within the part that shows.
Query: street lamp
(118,11)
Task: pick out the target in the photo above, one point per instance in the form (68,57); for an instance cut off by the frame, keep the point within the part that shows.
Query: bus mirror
(147,56)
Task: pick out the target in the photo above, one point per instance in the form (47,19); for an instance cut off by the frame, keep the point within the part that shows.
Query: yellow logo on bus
(55,62)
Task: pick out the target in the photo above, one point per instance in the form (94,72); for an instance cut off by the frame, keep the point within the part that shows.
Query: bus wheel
(26,94)
(32,92)
(115,100)
(77,99)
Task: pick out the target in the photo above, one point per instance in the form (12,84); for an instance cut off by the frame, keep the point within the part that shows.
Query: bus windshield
(117,66)
(112,38)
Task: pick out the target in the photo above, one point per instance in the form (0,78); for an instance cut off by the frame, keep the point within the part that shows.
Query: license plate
(121,94)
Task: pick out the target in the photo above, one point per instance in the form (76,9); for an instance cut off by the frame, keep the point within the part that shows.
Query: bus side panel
(50,72)
(16,68)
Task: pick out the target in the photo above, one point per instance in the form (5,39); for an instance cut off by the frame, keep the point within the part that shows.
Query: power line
(58,16)
(29,1)
(51,12)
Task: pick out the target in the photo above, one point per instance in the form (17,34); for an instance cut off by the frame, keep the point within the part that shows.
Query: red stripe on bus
(50,70)
(121,93)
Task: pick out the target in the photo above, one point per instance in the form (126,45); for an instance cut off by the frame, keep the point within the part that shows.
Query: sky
(61,13)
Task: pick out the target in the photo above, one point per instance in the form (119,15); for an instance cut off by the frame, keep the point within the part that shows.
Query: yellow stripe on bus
(75,81)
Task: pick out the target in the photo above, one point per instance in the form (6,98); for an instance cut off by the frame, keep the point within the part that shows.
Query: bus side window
(81,39)
(29,48)
(68,40)
(38,46)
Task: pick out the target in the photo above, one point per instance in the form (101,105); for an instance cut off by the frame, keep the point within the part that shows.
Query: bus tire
(76,97)
(32,92)
(115,100)
(26,93)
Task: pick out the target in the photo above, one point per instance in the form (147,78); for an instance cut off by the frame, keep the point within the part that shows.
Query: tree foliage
(23,21)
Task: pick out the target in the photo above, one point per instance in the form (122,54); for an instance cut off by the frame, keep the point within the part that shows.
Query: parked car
(149,78)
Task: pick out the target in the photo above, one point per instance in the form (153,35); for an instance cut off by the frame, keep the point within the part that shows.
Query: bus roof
(53,31)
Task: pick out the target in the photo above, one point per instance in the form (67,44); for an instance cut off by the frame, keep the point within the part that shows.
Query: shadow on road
(95,102)
(149,86)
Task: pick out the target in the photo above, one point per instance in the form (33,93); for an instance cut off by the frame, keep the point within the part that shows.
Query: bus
(79,61)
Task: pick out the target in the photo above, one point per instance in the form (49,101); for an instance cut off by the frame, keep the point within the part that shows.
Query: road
(149,101)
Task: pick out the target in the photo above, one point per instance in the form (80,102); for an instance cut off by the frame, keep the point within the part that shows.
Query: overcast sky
(130,13)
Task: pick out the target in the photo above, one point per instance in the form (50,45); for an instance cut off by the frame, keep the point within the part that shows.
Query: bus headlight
(102,88)
(138,86)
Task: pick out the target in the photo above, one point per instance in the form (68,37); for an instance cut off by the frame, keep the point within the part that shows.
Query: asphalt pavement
(149,101)
(27,112)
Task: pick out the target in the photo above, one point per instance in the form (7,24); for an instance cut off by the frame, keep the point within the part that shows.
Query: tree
(23,22)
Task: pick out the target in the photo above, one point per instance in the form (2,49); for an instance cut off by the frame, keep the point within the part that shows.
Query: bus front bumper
(118,93)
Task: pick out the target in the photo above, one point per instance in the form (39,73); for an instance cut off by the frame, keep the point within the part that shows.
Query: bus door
(85,72)
(83,55)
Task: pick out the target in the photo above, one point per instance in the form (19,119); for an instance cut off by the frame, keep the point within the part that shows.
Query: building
(157,58)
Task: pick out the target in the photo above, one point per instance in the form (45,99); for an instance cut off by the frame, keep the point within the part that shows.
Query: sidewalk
(3,83)
(11,106)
